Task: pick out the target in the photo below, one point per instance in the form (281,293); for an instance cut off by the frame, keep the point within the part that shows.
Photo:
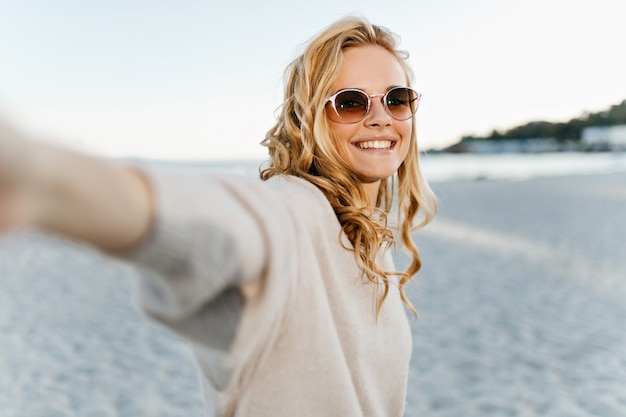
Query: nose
(378,114)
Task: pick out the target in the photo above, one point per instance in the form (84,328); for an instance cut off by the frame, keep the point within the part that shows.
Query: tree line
(561,131)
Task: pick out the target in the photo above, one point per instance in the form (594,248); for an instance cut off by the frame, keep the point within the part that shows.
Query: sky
(201,80)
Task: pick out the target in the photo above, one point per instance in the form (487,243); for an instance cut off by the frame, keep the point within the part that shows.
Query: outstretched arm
(64,192)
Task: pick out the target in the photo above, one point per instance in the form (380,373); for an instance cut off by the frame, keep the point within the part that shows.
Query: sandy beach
(520,300)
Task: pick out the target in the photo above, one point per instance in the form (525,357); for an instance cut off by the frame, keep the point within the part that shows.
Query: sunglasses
(352,105)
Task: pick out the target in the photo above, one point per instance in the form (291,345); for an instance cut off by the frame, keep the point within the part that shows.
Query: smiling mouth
(375,144)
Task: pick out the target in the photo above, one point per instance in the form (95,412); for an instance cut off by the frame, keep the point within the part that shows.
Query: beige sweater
(282,320)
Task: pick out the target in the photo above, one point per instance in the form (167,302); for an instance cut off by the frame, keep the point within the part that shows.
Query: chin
(367,178)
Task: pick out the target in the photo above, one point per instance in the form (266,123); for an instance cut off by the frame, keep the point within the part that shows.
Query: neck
(371,191)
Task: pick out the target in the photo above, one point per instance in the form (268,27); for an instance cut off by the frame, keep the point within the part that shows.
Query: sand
(520,300)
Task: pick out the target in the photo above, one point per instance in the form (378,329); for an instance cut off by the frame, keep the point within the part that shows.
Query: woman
(285,287)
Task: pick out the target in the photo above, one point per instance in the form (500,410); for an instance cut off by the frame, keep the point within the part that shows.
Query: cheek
(406,131)
(342,133)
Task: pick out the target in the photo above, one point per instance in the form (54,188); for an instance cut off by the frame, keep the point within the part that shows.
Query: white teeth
(375,144)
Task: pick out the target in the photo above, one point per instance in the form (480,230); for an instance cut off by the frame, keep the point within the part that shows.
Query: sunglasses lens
(402,102)
(351,105)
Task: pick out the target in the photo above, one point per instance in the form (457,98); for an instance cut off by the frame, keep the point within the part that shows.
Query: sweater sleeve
(204,239)
(210,235)
(223,265)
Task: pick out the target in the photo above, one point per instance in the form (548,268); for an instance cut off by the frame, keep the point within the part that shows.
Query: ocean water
(454,167)
(459,167)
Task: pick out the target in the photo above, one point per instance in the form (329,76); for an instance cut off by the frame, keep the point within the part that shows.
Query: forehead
(370,68)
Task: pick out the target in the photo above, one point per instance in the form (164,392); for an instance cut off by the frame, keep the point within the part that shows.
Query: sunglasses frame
(332,100)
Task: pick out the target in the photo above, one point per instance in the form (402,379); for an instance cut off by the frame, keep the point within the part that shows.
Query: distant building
(604,138)
(535,145)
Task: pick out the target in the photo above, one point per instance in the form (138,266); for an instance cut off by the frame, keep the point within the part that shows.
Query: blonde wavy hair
(301,144)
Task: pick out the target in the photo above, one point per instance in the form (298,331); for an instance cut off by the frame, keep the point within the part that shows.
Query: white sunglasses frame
(332,100)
